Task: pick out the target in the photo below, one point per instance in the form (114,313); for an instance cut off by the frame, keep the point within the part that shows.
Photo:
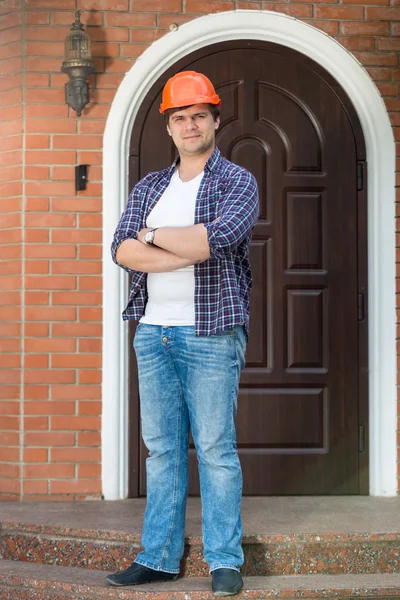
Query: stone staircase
(295,547)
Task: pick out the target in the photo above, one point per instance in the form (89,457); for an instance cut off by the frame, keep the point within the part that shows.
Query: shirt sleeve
(129,224)
(239,214)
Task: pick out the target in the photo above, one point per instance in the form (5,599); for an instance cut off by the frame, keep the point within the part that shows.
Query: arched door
(302,412)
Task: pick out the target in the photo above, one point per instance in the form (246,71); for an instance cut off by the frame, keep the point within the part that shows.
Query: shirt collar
(209,166)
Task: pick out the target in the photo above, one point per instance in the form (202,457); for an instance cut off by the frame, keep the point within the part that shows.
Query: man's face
(193,129)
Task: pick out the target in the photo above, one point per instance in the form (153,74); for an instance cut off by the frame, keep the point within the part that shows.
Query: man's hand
(142,233)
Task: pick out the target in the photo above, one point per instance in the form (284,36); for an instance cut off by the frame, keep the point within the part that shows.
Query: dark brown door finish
(301,396)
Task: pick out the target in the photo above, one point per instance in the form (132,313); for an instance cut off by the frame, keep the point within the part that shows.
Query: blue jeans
(187,381)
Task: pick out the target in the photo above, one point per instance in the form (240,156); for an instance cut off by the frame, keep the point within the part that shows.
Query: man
(184,236)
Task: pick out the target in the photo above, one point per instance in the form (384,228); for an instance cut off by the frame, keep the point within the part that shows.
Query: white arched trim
(280,29)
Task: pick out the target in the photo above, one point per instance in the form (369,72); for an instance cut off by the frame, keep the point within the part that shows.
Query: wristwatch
(149,237)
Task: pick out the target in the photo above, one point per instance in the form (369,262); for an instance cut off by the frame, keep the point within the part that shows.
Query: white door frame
(280,29)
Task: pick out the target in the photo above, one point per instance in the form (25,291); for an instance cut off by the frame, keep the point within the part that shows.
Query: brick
(36,267)
(377,58)
(9,97)
(388,89)
(299,10)
(339,12)
(11,361)
(37,329)
(51,111)
(8,409)
(74,141)
(71,266)
(37,80)
(67,18)
(9,236)
(11,143)
(10,66)
(165,20)
(77,392)
(45,65)
(50,314)
(74,486)
(36,423)
(50,439)
(51,4)
(10,438)
(51,283)
(37,18)
(108,49)
(89,408)
(35,455)
(10,267)
(49,408)
(395,119)
(12,423)
(89,471)
(49,220)
(207,7)
(36,392)
(79,204)
(9,36)
(35,487)
(105,5)
(10,470)
(34,188)
(45,49)
(50,251)
(91,282)
(383,14)
(77,329)
(133,50)
(379,74)
(48,471)
(88,345)
(76,361)
(11,486)
(10,50)
(392,103)
(10,345)
(395,28)
(50,345)
(48,34)
(10,330)
(35,298)
(50,157)
(10,20)
(9,82)
(10,159)
(105,80)
(388,44)
(36,361)
(90,314)
(37,204)
(76,455)
(89,376)
(90,158)
(9,454)
(50,125)
(90,221)
(130,19)
(37,142)
(8,376)
(36,173)
(91,126)
(62,174)
(101,95)
(10,127)
(89,438)
(9,252)
(87,423)
(77,298)
(118,66)
(90,252)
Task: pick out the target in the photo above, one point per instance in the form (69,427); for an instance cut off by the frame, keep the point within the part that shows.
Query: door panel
(297,422)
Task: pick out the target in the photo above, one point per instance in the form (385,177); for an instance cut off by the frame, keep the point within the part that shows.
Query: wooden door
(302,399)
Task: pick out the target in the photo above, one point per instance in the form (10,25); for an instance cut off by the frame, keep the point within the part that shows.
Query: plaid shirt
(223,282)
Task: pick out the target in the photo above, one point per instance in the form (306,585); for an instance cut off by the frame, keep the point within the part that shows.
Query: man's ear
(217,122)
(169,131)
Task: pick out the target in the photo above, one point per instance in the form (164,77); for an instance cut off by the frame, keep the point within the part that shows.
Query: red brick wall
(62,267)
(11,161)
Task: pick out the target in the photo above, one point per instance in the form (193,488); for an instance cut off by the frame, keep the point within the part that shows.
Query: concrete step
(287,536)
(24,581)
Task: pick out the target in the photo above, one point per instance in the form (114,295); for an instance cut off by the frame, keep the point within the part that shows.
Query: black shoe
(136,574)
(226,582)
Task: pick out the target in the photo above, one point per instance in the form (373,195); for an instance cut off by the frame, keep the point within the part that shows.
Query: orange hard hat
(187,88)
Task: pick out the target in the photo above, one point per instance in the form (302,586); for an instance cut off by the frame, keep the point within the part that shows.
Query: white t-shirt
(171,295)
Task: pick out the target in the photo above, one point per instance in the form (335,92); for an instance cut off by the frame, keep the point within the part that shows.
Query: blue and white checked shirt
(223,282)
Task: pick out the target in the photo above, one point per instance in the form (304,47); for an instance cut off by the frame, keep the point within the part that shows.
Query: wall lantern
(78,65)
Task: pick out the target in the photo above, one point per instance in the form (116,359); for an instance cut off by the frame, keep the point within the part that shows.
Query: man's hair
(214,109)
